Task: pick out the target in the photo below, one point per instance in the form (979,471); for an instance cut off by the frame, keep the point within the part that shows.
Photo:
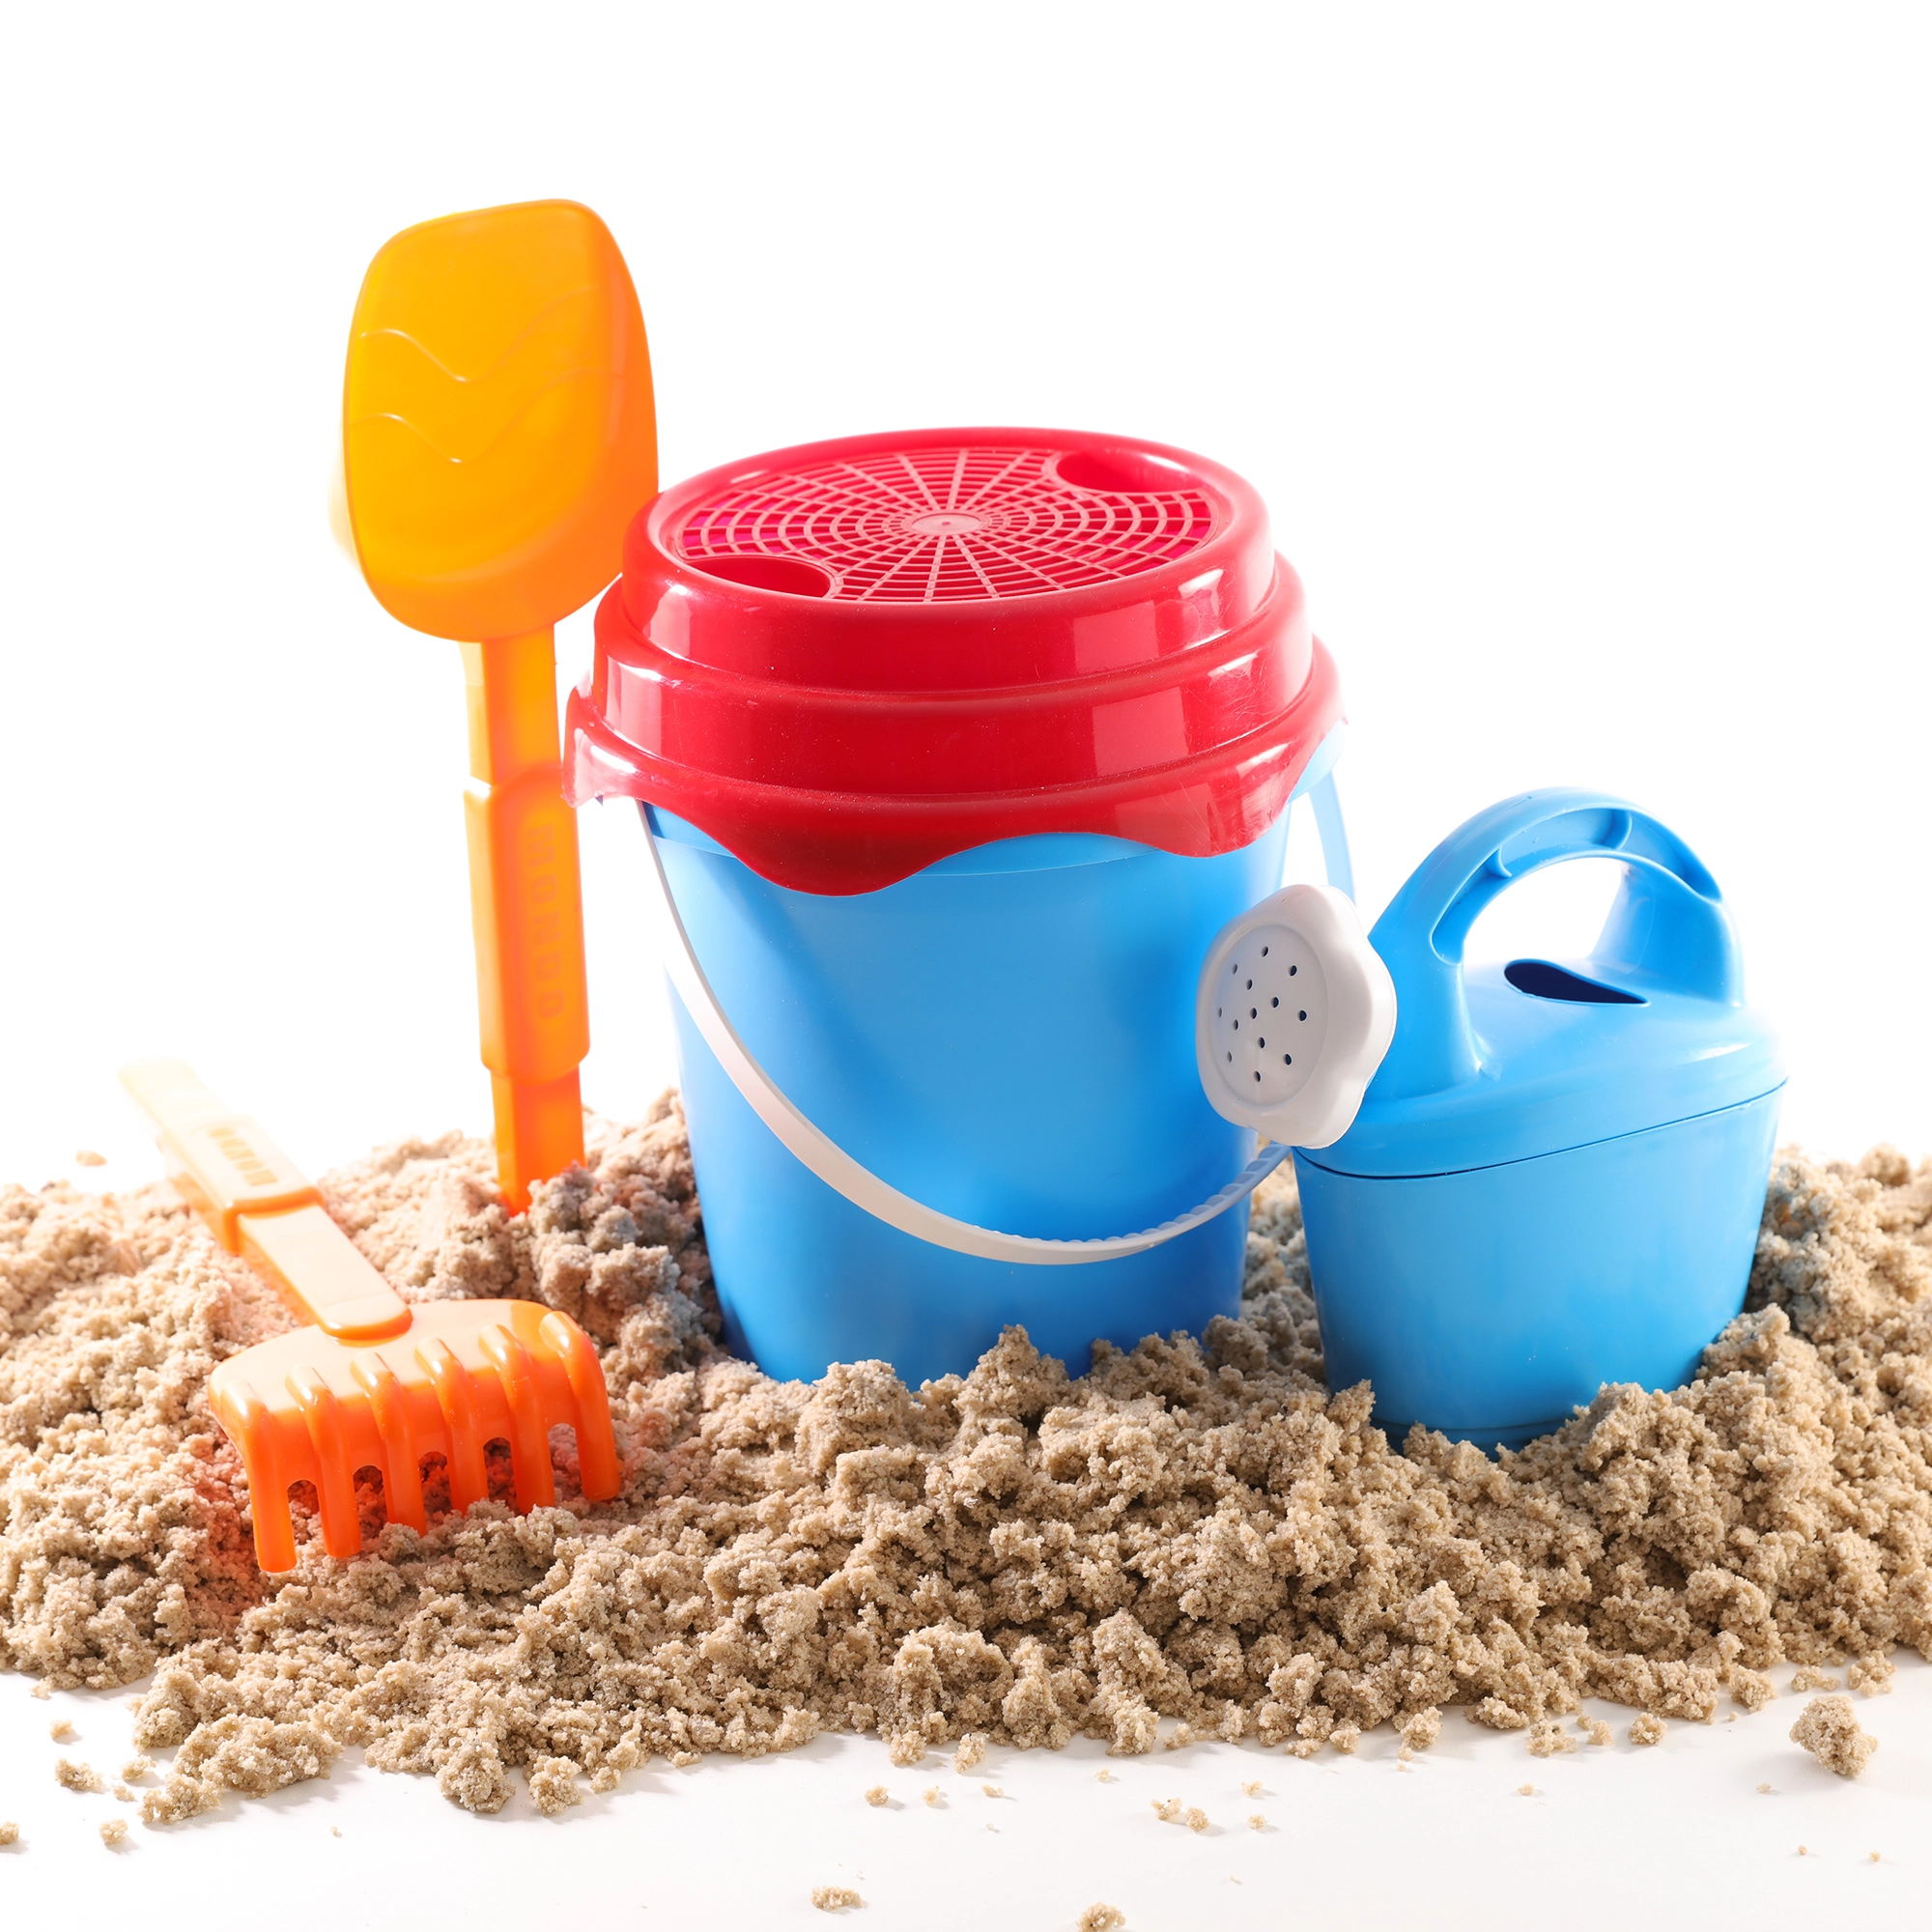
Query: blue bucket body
(1008,1037)
(1488,1303)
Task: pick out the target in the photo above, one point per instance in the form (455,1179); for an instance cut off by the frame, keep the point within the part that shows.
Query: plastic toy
(374,1383)
(498,435)
(958,751)
(1296,971)
(1345,993)
(1557,1177)
(964,760)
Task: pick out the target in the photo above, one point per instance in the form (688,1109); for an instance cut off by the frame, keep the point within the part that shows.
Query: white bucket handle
(831,1164)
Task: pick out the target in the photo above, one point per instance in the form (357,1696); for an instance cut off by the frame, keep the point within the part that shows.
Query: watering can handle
(1668,924)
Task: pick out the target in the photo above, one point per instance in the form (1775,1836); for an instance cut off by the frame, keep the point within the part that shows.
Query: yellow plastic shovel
(498,435)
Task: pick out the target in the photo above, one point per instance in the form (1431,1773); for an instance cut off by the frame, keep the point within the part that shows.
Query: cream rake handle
(259,1204)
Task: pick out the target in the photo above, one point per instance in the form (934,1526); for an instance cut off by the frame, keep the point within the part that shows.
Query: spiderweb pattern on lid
(945,526)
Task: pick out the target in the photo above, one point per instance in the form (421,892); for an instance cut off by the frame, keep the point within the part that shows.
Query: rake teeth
(597,1472)
(462,1440)
(402,1466)
(245,1417)
(334,1470)
(309,1407)
(530,1428)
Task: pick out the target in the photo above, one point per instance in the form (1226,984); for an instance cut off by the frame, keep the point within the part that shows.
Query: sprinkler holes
(1262,966)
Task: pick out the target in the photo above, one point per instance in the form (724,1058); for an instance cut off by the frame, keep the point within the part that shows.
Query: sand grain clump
(1420,1729)
(1829,1728)
(1197,1531)
(1872,1675)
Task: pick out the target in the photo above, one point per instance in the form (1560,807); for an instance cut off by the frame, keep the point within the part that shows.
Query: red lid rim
(1163,686)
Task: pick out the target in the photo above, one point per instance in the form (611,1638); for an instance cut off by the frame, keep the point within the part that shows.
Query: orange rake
(375,1383)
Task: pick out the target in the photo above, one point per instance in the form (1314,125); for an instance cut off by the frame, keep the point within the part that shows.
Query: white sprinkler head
(1293,1016)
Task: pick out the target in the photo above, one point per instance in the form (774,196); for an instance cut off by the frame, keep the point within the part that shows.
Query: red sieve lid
(849,660)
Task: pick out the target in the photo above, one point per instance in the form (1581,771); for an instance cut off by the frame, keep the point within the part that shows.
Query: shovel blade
(497,425)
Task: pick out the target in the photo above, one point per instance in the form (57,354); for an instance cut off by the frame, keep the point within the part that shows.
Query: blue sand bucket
(928,1029)
(958,749)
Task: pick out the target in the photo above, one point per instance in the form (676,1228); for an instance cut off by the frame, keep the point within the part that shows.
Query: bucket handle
(1669,923)
(823,1156)
(817,1150)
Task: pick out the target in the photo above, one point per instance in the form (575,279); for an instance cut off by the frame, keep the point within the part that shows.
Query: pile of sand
(1197,1530)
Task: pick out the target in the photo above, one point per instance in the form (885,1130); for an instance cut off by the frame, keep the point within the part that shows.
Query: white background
(1579,354)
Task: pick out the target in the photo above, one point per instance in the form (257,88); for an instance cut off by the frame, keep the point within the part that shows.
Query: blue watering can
(1556,1176)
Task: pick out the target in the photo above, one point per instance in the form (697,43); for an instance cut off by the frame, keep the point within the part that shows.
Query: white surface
(1578,354)
(1672,1835)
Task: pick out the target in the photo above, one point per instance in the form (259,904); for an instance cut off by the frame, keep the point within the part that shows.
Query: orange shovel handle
(527,910)
(498,437)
